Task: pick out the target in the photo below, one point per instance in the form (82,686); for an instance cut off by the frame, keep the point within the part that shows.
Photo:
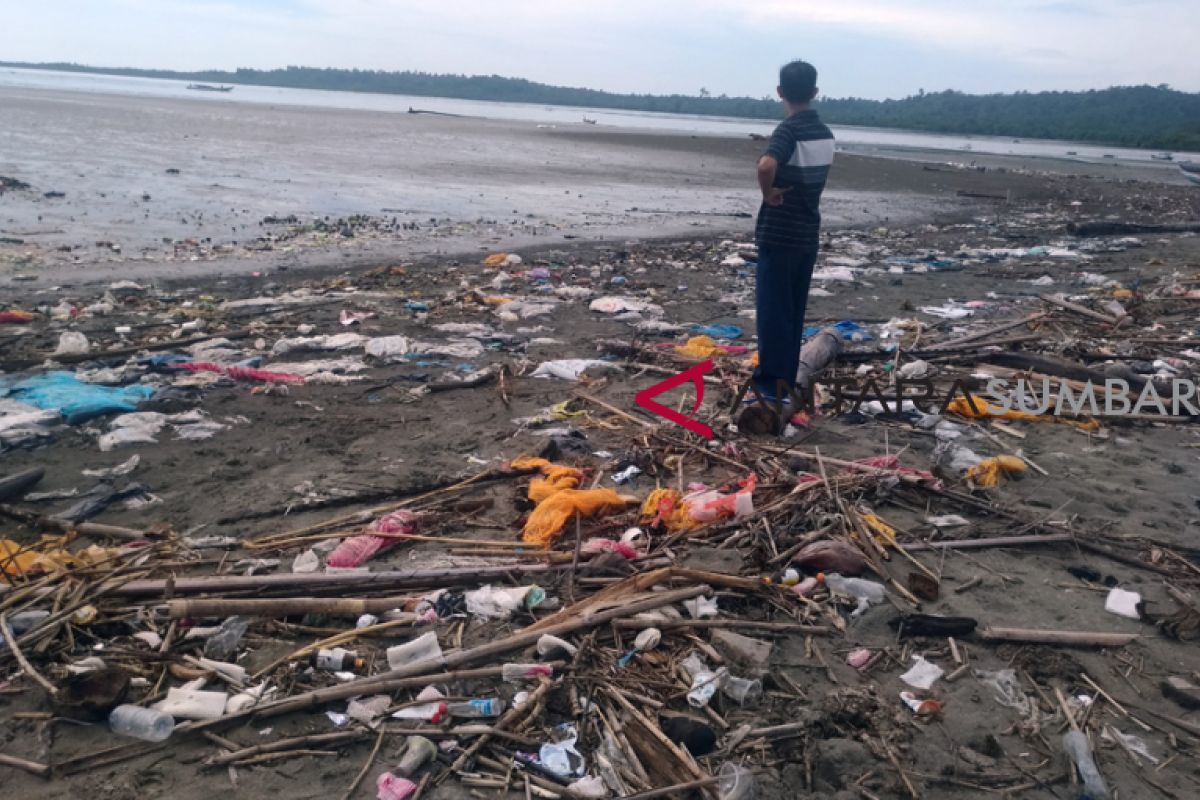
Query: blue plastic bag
(75,400)
(849,330)
(718,331)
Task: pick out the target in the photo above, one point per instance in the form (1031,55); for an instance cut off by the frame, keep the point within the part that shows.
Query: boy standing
(792,176)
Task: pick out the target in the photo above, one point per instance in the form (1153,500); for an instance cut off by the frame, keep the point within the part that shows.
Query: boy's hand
(774,196)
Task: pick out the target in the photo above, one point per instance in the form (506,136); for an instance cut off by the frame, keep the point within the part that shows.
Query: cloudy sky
(867,48)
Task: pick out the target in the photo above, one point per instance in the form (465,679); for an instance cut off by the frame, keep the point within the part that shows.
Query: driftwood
(32,767)
(1062,302)
(281,606)
(1067,638)
(337,737)
(817,354)
(19,483)
(86,528)
(1084,229)
(391,579)
(995,541)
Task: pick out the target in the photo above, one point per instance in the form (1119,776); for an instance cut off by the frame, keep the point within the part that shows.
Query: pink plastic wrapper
(393,787)
(357,550)
(710,505)
(598,545)
(242,373)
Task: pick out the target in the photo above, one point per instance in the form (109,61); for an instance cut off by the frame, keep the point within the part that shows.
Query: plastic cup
(419,752)
(742,690)
(735,782)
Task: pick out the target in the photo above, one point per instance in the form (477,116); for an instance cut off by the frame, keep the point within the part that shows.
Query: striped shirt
(803,148)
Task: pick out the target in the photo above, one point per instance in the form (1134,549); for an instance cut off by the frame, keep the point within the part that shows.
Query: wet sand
(170,188)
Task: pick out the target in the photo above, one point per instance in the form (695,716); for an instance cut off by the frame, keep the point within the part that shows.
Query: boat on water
(1162,156)
(208,87)
(1191,171)
(589,121)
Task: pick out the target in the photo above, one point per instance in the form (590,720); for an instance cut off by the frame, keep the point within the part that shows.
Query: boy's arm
(779,151)
(767,169)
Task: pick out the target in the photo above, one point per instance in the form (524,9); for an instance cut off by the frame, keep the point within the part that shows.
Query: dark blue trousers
(781,289)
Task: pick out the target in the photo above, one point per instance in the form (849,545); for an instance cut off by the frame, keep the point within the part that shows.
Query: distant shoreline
(1143,117)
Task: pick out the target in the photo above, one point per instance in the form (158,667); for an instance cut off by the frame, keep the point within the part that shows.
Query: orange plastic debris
(557,477)
(665,507)
(699,347)
(987,472)
(551,515)
(962,407)
(495,260)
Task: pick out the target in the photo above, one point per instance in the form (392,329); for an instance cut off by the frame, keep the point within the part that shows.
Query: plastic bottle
(476,709)
(423,648)
(336,660)
(516,673)
(222,645)
(141,723)
(867,593)
(1077,747)
(705,682)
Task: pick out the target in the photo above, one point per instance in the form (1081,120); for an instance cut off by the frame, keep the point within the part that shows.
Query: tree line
(1135,116)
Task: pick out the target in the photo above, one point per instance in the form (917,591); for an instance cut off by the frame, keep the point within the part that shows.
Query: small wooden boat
(1162,156)
(208,87)
(589,121)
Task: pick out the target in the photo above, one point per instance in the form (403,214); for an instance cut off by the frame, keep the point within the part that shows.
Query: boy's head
(798,82)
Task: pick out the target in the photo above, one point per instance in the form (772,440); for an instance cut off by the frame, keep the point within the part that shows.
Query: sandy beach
(244,228)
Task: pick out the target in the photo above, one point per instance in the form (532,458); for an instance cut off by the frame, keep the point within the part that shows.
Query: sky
(862,48)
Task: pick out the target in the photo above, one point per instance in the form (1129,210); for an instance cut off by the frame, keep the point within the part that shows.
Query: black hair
(798,81)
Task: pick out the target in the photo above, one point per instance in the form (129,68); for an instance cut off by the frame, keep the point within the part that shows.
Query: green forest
(1135,116)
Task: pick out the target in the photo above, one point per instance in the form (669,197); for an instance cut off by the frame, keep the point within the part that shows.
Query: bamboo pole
(281,606)
(1042,636)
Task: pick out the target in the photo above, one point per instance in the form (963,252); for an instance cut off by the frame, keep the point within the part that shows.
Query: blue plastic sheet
(75,400)
(847,328)
(718,331)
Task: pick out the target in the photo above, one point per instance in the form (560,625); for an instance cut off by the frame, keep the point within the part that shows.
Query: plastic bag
(707,506)
(72,343)
(569,369)
(496,602)
(356,550)
(75,400)
(551,515)
(923,675)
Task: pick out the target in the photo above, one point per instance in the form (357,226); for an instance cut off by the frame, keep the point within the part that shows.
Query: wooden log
(1103,228)
(1062,302)
(32,767)
(281,606)
(997,541)
(742,624)
(986,334)
(817,354)
(1068,638)
(86,528)
(391,579)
